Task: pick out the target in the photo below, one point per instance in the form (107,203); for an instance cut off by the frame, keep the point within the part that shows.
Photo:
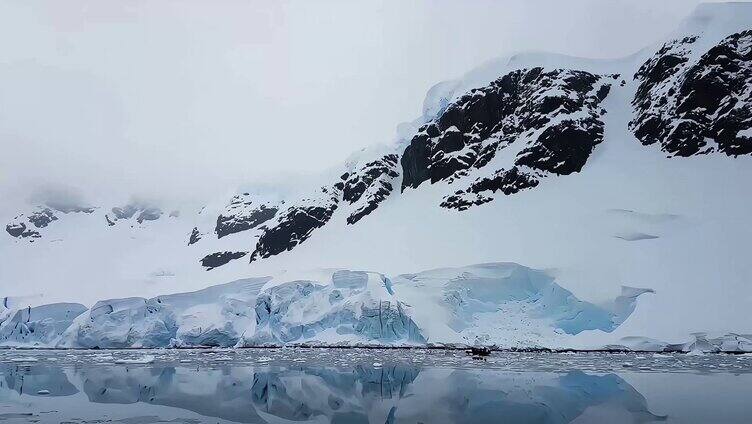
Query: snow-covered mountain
(598,173)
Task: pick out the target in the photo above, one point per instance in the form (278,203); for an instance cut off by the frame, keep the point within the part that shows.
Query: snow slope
(608,208)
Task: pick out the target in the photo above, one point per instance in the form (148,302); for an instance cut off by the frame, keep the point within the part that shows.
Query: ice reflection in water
(236,391)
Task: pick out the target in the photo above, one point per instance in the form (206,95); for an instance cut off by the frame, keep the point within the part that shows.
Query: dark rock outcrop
(19,230)
(563,148)
(369,185)
(220,258)
(296,223)
(554,114)
(15,229)
(242,214)
(195,236)
(21,227)
(693,107)
(42,218)
(508,182)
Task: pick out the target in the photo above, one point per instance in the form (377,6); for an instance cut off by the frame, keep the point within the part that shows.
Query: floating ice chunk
(146,359)
(24,359)
(104,358)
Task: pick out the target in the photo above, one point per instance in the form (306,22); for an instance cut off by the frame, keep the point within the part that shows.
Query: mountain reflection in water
(361,394)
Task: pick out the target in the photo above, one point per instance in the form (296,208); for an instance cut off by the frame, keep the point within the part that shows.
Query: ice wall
(501,304)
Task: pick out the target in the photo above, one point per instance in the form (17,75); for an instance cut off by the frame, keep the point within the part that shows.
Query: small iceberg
(146,359)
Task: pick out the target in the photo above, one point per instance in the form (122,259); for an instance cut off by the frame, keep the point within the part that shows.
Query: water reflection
(33,380)
(363,394)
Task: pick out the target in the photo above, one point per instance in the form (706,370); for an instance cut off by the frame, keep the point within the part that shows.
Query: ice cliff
(503,304)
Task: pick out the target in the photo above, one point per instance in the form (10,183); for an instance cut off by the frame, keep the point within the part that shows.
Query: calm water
(370,386)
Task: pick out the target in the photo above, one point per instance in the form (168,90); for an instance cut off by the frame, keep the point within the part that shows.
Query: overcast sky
(180,99)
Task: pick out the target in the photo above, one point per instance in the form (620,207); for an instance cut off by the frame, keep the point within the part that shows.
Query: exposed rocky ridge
(195,236)
(19,229)
(21,226)
(696,106)
(551,118)
(243,214)
(367,187)
(295,224)
(508,182)
(363,189)
(280,226)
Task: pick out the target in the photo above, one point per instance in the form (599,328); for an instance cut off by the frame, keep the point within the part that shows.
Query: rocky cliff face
(693,102)
(367,187)
(31,226)
(554,113)
(242,214)
(296,223)
(547,122)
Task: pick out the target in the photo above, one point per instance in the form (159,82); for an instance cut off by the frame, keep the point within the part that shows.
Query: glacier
(351,305)
(498,304)
(39,325)
(215,316)
(509,305)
